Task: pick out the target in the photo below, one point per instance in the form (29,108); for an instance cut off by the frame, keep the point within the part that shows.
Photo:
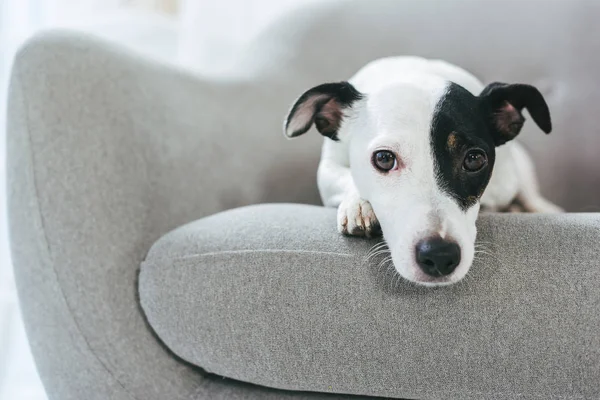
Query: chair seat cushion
(275,296)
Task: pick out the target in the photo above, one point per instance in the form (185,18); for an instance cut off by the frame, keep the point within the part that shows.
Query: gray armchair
(109,153)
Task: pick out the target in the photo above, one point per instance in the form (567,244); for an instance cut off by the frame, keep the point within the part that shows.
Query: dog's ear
(504,103)
(322,105)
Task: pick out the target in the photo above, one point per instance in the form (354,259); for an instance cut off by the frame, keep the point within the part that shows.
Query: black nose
(438,257)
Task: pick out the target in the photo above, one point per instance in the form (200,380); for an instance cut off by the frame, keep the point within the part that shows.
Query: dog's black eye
(384,160)
(475,160)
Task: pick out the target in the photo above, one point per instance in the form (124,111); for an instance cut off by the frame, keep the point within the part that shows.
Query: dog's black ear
(322,105)
(504,103)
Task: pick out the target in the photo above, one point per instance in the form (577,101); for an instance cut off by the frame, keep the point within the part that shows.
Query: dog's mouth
(422,279)
(413,274)
(442,271)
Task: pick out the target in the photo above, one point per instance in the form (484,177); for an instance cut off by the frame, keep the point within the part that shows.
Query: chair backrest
(553,45)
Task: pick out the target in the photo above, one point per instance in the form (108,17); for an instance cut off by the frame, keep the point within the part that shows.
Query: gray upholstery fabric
(108,151)
(104,151)
(273,295)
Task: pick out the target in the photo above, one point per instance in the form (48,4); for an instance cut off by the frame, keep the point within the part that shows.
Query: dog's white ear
(504,104)
(322,105)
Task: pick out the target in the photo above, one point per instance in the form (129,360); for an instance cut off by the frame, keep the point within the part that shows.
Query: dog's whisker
(398,281)
(378,252)
(487,254)
(387,270)
(381,269)
(385,262)
(483,248)
(389,273)
(378,246)
(377,249)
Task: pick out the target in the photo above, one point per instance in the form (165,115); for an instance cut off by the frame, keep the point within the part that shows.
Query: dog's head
(422,155)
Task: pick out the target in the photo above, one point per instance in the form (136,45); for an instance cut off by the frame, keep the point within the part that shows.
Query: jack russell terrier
(410,151)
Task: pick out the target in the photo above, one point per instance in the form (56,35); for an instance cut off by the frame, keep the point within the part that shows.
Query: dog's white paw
(356,217)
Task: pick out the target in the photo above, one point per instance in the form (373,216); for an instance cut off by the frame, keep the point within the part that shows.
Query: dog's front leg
(355,215)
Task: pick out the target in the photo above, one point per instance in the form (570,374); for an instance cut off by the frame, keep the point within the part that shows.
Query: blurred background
(201,35)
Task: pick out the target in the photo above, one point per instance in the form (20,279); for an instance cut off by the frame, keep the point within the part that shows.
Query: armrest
(273,295)
(106,152)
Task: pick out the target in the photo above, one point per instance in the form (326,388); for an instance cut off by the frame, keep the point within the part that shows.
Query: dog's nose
(438,257)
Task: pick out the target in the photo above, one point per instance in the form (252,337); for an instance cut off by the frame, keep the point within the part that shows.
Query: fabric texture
(104,151)
(273,295)
(108,151)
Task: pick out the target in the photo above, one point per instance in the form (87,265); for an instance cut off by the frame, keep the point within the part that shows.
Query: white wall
(17,372)
(213,32)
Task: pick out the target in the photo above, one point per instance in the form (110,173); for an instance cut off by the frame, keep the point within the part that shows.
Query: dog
(410,145)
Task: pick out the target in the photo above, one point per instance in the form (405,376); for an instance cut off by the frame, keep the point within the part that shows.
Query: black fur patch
(505,102)
(460,125)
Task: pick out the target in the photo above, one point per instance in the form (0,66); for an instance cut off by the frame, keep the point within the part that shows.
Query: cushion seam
(187,257)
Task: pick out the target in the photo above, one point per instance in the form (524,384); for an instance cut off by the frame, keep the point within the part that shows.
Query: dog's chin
(414,275)
(434,282)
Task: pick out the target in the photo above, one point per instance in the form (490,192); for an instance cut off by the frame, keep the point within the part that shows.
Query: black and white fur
(430,115)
